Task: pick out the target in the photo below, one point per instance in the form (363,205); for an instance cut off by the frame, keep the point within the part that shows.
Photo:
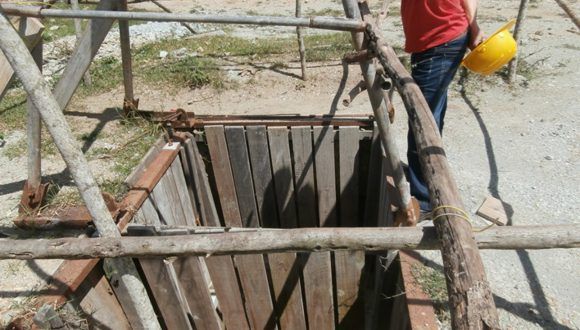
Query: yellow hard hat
(494,52)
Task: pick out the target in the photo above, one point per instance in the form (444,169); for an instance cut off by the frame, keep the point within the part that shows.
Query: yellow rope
(458,213)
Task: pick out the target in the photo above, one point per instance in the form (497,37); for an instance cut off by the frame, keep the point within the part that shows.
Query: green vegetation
(326,12)
(433,283)
(13,110)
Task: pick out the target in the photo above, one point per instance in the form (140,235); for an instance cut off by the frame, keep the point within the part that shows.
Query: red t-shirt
(430,23)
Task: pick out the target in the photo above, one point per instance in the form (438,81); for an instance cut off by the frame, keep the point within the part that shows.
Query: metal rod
(325,23)
(260,241)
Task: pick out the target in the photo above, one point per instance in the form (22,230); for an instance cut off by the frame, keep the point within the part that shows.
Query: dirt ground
(519,144)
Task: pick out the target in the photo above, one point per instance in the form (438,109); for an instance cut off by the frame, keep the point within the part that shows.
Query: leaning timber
(470,296)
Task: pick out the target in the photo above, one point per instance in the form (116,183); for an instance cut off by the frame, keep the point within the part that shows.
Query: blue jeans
(433,70)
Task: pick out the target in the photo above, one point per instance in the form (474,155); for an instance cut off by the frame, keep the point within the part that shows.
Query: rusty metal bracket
(130,107)
(76,217)
(32,198)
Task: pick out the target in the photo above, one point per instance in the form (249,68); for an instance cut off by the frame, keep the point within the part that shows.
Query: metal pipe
(325,23)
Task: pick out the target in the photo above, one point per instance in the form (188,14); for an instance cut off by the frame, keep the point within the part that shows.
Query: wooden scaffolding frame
(469,292)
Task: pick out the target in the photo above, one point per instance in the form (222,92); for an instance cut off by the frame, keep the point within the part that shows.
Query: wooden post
(83,55)
(165,9)
(79,33)
(300,35)
(129,104)
(513,65)
(380,104)
(30,29)
(33,130)
(470,297)
(198,241)
(569,12)
(41,97)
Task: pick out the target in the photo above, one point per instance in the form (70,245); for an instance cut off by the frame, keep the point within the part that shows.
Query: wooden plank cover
(350,263)
(163,285)
(189,271)
(285,266)
(256,289)
(317,271)
(251,268)
(99,304)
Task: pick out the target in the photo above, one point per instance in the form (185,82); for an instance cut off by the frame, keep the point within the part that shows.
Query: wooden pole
(569,12)
(129,104)
(260,241)
(325,23)
(79,33)
(83,55)
(165,9)
(513,65)
(33,130)
(41,97)
(470,297)
(299,33)
(380,104)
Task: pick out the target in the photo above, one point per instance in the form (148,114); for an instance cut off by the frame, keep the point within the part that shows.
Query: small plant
(433,283)
(189,72)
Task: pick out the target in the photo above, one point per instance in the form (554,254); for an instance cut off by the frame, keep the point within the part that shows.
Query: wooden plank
(189,181)
(80,60)
(183,192)
(242,176)
(262,176)
(251,268)
(223,176)
(228,292)
(374,173)
(163,285)
(316,266)
(283,177)
(161,197)
(285,267)
(167,296)
(98,303)
(349,264)
(325,176)
(221,268)
(202,190)
(324,160)
(195,288)
(492,209)
(30,29)
(303,161)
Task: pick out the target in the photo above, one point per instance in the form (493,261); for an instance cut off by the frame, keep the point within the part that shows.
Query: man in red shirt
(437,33)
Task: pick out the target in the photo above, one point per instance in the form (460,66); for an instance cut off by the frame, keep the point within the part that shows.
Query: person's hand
(476,35)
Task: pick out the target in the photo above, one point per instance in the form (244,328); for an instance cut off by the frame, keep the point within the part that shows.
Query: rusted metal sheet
(75,217)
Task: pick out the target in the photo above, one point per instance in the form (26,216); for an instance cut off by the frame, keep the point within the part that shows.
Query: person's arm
(470,7)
